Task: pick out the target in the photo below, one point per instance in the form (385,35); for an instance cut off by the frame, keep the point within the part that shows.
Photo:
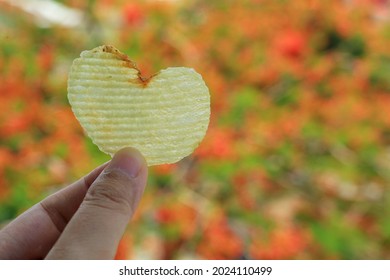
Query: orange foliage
(133,14)
(217,144)
(219,241)
(124,248)
(179,216)
(282,243)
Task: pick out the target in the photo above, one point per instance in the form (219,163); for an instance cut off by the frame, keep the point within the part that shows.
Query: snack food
(164,116)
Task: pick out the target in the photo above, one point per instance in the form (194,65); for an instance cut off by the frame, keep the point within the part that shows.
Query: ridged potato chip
(165,116)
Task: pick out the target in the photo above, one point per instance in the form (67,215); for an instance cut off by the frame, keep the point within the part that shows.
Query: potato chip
(164,116)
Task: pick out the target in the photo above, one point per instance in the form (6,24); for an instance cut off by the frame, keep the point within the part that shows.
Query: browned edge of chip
(141,80)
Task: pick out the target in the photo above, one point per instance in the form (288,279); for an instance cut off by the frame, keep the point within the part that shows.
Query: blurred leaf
(339,239)
(380,73)
(96,154)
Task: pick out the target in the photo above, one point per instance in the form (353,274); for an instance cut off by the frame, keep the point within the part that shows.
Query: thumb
(98,225)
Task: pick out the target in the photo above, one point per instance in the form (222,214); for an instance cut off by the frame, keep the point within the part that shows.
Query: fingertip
(128,160)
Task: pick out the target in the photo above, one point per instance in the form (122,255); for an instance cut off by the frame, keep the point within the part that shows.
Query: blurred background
(296,160)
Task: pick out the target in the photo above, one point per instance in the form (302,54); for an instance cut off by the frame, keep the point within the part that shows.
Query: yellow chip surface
(165,116)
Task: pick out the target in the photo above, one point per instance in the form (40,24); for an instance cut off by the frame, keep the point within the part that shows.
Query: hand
(85,220)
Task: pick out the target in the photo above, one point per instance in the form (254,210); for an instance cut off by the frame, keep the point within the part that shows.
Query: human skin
(84,220)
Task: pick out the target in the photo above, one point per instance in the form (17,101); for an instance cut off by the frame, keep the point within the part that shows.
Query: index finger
(33,233)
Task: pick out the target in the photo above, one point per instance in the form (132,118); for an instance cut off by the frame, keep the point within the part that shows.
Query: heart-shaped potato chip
(164,116)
